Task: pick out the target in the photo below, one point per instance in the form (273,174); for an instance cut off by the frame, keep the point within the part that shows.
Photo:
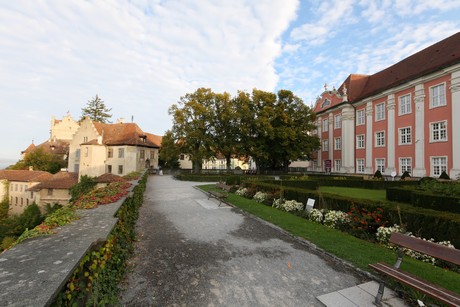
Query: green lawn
(356,193)
(356,251)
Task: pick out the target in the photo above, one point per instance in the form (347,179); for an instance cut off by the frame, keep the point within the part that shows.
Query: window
(27,201)
(109,169)
(380,139)
(405,136)
(142,154)
(404,104)
(16,187)
(50,192)
(337,144)
(325,145)
(16,200)
(438,95)
(438,165)
(360,118)
(360,166)
(85,139)
(110,153)
(337,165)
(360,141)
(380,165)
(380,112)
(438,131)
(405,165)
(152,154)
(325,125)
(76,168)
(77,153)
(121,153)
(120,169)
(86,151)
(182,157)
(338,121)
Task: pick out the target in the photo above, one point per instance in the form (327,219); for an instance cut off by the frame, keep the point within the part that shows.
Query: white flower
(316,216)
(333,218)
(241,191)
(260,197)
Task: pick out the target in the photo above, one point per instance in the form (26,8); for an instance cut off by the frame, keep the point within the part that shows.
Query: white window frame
(338,143)
(380,139)
(360,166)
(438,131)
(438,95)
(405,106)
(337,165)
(360,117)
(405,135)
(405,164)
(325,145)
(438,165)
(380,111)
(380,165)
(325,125)
(338,121)
(121,152)
(360,141)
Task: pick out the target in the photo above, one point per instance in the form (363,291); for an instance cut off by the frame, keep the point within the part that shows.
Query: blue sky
(141,56)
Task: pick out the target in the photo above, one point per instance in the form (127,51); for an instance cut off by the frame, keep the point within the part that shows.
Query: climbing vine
(95,280)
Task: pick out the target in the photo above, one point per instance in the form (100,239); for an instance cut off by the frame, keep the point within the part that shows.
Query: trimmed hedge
(424,199)
(423,222)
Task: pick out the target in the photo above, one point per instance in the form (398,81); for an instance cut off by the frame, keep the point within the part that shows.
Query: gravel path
(193,253)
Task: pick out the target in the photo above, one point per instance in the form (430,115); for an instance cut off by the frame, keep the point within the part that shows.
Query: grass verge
(377,195)
(356,251)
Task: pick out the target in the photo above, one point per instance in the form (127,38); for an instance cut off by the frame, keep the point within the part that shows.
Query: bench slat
(441,294)
(436,250)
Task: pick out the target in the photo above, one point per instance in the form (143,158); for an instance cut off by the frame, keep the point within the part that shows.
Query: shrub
(292,205)
(83,187)
(364,222)
(405,175)
(378,175)
(444,176)
(384,233)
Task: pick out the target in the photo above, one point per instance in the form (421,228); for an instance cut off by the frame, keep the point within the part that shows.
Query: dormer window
(326,103)
(143,138)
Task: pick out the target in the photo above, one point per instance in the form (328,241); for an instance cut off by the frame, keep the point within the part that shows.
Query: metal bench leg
(378,297)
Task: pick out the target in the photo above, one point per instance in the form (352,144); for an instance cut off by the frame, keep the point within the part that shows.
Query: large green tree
(96,110)
(271,128)
(191,119)
(169,151)
(40,160)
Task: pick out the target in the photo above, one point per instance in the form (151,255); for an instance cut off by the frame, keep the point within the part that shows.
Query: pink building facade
(403,118)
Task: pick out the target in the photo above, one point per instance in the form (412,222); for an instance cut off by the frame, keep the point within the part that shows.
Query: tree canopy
(41,161)
(96,110)
(169,151)
(271,128)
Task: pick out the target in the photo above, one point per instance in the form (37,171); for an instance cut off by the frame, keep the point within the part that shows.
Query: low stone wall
(34,272)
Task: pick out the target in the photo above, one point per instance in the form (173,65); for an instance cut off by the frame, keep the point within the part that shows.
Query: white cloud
(139,56)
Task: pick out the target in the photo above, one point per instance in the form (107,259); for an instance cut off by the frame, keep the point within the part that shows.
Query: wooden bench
(217,195)
(445,253)
(224,186)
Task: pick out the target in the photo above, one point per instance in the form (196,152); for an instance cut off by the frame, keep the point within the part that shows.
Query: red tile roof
(59,147)
(123,134)
(61,180)
(434,58)
(156,139)
(24,175)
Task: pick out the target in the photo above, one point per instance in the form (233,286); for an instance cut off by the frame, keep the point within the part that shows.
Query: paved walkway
(191,252)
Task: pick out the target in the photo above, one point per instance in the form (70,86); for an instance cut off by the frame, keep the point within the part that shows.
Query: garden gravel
(192,252)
